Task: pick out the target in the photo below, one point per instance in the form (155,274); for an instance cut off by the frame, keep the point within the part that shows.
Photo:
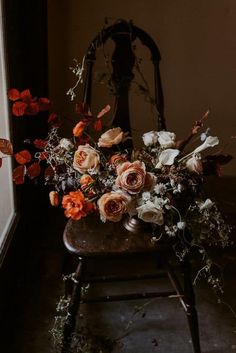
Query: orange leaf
(18,108)
(19,174)
(48,172)
(23,157)
(44,104)
(6,147)
(13,94)
(104,111)
(34,170)
(26,96)
(32,109)
(98,125)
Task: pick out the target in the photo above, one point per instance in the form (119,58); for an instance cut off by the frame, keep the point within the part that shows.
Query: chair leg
(189,299)
(73,308)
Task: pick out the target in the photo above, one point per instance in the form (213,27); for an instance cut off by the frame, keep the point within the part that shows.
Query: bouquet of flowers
(160,183)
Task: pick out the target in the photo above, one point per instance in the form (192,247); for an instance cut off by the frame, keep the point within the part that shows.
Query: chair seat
(90,237)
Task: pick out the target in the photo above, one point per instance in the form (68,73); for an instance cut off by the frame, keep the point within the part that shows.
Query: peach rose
(113,205)
(132,177)
(86,159)
(111,137)
(79,128)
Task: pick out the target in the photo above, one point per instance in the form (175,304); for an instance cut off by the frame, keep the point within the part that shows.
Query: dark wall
(26,57)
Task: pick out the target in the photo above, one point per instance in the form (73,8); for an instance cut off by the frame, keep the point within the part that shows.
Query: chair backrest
(123,34)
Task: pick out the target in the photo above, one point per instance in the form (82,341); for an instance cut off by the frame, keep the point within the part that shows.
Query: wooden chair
(89,238)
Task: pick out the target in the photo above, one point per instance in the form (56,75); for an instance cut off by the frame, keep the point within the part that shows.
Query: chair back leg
(189,299)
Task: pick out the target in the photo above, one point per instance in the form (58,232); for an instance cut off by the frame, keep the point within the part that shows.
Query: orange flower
(86,179)
(76,206)
(79,128)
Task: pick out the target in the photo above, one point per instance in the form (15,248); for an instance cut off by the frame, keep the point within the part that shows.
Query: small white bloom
(170,231)
(204,135)
(167,157)
(177,188)
(160,188)
(146,196)
(206,205)
(160,202)
(166,139)
(181,225)
(66,144)
(150,138)
(210,141)
(149,213)
(154,239)
(180,187)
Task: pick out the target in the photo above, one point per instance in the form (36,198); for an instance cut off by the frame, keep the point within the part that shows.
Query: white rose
(150,138)
(149,213)
(166,139)
(167,157)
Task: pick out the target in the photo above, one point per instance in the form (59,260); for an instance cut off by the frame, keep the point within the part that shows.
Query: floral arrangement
(161,183)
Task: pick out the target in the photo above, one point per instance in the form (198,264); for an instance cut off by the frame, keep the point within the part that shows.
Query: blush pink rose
(113,205)
(132,177)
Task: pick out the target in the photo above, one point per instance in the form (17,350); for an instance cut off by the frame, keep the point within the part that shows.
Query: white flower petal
(150,138)
(210,141)
(167,157)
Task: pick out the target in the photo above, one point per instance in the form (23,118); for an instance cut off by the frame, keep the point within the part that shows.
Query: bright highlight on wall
(7,209)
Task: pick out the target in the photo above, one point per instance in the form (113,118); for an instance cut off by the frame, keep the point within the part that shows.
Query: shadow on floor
(161,327)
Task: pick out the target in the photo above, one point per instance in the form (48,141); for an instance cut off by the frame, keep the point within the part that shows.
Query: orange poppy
(75,205)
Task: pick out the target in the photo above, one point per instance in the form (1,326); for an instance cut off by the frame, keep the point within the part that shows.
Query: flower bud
(54,198)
